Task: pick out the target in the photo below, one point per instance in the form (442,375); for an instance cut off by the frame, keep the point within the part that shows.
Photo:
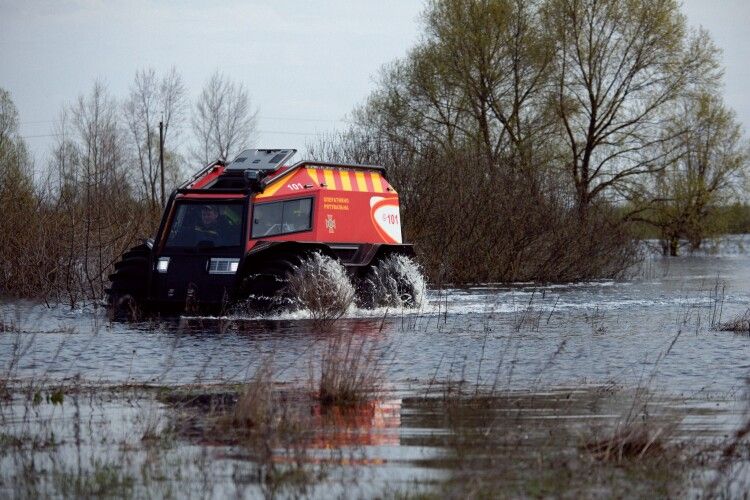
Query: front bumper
(187,281)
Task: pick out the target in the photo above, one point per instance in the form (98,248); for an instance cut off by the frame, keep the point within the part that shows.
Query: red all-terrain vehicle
(234,232)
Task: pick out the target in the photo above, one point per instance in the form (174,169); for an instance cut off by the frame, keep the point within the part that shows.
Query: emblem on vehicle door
(330,223)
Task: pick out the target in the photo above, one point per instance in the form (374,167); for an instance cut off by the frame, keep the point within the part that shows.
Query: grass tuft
(254,408)
(631,441)
(738,324)
(350,369)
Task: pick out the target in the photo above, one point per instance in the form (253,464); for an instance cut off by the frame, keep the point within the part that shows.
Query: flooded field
(495,390)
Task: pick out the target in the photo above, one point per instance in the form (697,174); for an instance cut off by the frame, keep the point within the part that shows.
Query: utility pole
(161,158)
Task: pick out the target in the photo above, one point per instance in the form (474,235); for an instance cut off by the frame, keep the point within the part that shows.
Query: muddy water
(655,327)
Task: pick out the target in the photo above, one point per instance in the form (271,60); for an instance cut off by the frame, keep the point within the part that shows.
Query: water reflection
(371,423)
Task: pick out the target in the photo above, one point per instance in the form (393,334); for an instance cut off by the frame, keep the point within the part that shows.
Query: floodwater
(536,367)
(657,326)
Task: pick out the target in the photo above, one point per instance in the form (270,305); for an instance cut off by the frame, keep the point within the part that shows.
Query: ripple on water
(518,336)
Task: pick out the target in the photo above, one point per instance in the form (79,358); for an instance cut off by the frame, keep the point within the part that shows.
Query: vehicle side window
(267,219)
(270,219)
(297,215)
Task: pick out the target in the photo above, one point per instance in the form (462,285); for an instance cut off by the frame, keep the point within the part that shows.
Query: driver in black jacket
(213,227)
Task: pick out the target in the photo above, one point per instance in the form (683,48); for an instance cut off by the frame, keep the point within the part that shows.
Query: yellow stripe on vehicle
(330,181)
(346,181)
(377,185)
(361,183)
(313,173)
(273,188)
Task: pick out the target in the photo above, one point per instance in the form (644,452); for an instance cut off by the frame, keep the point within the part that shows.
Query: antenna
(161,158)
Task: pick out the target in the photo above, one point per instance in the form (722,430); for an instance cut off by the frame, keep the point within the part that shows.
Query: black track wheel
(129,284)
(387,282)
(264,285)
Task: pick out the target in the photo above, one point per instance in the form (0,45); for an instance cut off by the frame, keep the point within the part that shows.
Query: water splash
(321,285)
(396,281)
(320,288)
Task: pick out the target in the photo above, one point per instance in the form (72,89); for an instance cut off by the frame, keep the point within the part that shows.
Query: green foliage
(734,219)
(514,130)
(704,173)
(620,68)
(18,201)
(57,396)
(475,82)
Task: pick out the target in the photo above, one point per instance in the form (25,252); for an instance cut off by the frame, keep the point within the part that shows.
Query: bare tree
(476,80)
(14,157)
(620,66)
(94,216)
(153,100)
(223,119)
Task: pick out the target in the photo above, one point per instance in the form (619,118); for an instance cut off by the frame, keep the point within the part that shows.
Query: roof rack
(200,174)
(259,163)
(260,159)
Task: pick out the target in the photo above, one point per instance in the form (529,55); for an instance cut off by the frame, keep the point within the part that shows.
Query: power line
(281,118)
(40,135)
(275,132)
(278,118)
(32,122)
(279,132)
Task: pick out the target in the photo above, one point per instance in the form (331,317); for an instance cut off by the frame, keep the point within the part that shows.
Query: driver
(212,225)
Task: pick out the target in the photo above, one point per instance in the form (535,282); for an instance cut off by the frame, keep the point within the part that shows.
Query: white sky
(306,64)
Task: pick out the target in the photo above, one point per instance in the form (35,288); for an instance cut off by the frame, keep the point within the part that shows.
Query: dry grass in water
(731,470)
(254,408)
(631,441)
(636,436)
(738,324)
(263,427)
(10,322)
(349,370)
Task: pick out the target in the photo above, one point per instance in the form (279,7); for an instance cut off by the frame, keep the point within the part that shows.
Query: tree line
(528,140)
(530,137)
(101,188)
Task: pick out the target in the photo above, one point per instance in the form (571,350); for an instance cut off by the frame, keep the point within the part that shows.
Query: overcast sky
(305,64)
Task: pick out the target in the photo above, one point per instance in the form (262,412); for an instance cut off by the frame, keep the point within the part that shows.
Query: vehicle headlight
(223,266)
(162,264)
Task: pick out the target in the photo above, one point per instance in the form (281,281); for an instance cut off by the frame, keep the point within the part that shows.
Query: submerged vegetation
(739,324)
(265,438)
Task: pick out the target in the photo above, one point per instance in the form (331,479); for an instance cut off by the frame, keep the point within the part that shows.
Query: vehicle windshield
(206,225)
